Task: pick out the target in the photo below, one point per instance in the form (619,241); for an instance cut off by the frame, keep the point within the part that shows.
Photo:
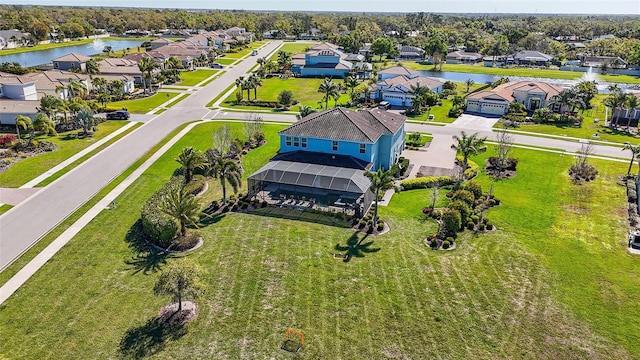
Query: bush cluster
(196,185)
(157,225)
(426,182)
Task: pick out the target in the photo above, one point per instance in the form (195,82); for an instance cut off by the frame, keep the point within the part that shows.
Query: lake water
(485,79)
(40,57)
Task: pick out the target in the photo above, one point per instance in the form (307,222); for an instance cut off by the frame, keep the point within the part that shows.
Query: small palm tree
(632,103)
(146,67)
(380,180)
(469,145)
(23,122)
(227,171)
(469,83)
(92,67)
(191,159)
(84,117)
(635,154)
(256,82)
(43,124)
(304,111)
(351,83)
(458,101)
(329,89)
(181,205)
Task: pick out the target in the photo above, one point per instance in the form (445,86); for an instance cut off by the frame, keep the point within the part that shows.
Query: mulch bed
(495,173)
(169,316)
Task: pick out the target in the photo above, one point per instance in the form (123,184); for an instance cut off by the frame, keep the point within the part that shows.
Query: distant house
(71,62)
(396,71)
(10,39)
(411,53)
(10,109)
(630,114)
(532,94)
(313,34)
(17,87)
(463,57)
(365,50)
(612,62)
(326,60)
(157,43)
(535,58)
(396,90)
(324,156)
(122,66)
(56,82)
(498,60)
(128,82)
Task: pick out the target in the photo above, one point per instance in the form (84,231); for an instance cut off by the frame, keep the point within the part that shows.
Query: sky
(438,6)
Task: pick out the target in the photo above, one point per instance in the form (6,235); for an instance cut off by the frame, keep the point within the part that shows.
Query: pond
(40,57)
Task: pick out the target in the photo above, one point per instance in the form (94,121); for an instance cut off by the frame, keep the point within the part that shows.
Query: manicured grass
(27,169)
(192,78)
(588,128)
(226,61)
(142,106)
(4,208)
(440,113)
(553,282)
(304,90)
(243,52)
(521,71)
(291,48)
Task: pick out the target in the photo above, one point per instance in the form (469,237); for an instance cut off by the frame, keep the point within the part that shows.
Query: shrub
(156,224)
(470,225)
(196,185)
(481,227)
(472,169)
(489,226)
(451,221)
(380,227)
(426,182)
(285,97)
(474,218)
(463,209)
(474,188)
(6,140)
(446,244)
(464,196)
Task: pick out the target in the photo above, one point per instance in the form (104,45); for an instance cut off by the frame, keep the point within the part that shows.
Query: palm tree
(351,83)
(458,101)
(468,145)
(227,171)
(380,180)
(635,152)
(146,67)
(469,83)
(49,104)
(304,111)
(92,67)
(419,93)
(256,82)
(616,100)
(240,83)
(43,124)
(632,103)
(181,205)
(76,89)
(366,91)
(23,122)
(284,60)
(85,118)
(99,84)
(329,89)
(191,159)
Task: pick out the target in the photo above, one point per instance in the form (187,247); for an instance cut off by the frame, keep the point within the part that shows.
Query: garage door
(493,109)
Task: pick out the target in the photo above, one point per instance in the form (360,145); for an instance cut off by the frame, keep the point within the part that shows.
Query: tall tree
(49,104)
(180,280)
(380,180)
(191,159)
(436,47)
(635,154)
(616,101)
(329,89)
(304,111)
(227,171)
(181,205)
(468,145)
(381,46)
(23,122)
(92,67)
(469,83)
(146,67)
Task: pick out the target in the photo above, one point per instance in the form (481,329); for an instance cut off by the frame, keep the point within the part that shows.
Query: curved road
(22,226)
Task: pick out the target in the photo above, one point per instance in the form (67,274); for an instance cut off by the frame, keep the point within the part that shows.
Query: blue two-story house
(326,154)
(328,60)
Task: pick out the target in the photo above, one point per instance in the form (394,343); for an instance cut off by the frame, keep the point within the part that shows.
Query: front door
(534,104)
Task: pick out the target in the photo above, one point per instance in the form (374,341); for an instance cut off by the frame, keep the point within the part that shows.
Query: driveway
(474,122)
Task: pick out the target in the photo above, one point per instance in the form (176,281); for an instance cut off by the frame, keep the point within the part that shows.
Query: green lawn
(304,90)
(554,282)
(440,113)
(588,128)
(225,61)
(192,78)
(142,106)
(243,52)
(521,71)
(292,48)
(27,169)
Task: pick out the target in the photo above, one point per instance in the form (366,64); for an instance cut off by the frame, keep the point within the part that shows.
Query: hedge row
(196,185)
(155,223)
(426,182)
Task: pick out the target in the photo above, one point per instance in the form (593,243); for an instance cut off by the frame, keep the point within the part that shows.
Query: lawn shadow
(147,258)
(316,217)
(209,217)
(148,339)
(356,247)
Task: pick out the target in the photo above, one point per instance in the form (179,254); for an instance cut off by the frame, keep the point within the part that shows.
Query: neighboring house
(157,43)
(463,57)
(604,37)
(274,34)
(532,94)
(366,51)
(396,71)
(10,39)
(411,53)
(325,156)
(397,90)
(630,114)
(70,62)
(56,82)
(612,62)
(327,60)
(122,66)
(17,87)
(10,109)
(313,34)
(128,82)
(498,60)
(534,58)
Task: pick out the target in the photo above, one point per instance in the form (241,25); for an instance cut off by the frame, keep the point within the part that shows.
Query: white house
(532,94)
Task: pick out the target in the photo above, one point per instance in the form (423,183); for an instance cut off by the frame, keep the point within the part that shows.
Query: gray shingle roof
(344,124)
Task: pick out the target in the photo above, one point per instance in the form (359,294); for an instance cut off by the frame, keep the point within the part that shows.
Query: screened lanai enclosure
(311,185)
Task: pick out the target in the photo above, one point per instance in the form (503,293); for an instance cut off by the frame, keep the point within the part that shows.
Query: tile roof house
(532,94)
(529,57)
(122,66)
(70,62)
(17,87)
(394,86)
(463,57)
(160,43)
(326,154)
(55,82)
(600,61)
(10,39)
(10,109)
(328,60)
(410,52)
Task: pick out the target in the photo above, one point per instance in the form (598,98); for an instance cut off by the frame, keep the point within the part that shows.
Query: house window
(296,141)
(56,65)
(288,140)
(304,142)
(334,145)
(363,148)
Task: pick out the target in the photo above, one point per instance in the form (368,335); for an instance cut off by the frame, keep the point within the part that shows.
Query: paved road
(24,225)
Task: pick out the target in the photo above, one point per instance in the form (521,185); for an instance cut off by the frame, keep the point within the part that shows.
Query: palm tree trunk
(179,303)
(18,131)
(224,189)
(375,211)
(630,165)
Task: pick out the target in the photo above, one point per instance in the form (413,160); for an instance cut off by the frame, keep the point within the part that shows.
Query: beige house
(532,94)
(70,62)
